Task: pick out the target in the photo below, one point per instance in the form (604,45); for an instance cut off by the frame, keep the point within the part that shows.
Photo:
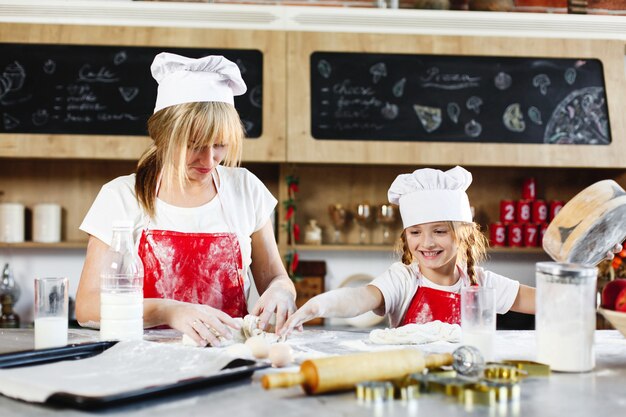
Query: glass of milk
(565,318)
(478,319)
(51,312)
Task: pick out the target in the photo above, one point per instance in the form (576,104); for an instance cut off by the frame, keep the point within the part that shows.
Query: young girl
(441,247)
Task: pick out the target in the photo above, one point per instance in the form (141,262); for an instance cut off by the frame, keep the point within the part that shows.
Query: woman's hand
(278,293)
(278,298)
(202,323)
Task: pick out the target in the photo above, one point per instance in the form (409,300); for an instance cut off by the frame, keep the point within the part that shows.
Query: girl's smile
(431,254)
(435,248)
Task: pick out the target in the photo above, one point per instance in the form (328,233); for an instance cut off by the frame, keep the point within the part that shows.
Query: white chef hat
(189,80)
(431,195)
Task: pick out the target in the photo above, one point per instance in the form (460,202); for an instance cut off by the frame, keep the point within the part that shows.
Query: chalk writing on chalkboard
(401,97)
(101,90)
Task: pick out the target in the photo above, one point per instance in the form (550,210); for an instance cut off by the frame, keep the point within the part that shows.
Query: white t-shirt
(243,206)
(400,283)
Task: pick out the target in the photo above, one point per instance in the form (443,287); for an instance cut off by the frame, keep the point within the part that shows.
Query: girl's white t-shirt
(243,206)
(400,282)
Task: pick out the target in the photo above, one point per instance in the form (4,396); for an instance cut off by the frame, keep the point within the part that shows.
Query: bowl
(616,318)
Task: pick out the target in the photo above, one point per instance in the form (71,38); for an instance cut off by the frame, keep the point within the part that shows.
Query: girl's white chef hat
(189,80)
(431,195)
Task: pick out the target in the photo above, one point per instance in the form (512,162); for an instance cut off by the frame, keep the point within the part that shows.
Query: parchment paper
(124,367)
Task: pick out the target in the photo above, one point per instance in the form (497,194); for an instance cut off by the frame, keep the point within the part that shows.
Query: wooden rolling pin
(337,373)
(589,225)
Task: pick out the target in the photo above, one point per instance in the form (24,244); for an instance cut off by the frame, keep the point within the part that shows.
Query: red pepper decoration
(296,232)
(290,211)
(294,263)
(293,229)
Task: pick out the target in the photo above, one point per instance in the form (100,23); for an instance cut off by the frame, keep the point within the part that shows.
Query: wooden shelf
(500,249)
(345,247)
(389,248)
(311,248)
(41,245)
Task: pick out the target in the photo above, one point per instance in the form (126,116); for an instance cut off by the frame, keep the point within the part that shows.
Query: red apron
(429,304)
(199,268)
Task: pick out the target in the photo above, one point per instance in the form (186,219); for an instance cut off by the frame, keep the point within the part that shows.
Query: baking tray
(43,356)
(235,370)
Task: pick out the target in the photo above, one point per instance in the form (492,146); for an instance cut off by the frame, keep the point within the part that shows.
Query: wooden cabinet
(303,147)
(269,147)
(323,184)
(70,169)
(74,184)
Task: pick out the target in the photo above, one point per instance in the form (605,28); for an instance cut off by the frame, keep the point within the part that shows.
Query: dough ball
(259,346)
(280,355)
(250,326)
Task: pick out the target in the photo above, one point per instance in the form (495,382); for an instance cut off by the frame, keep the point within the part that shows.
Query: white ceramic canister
(47,223)
(313,233)
(566,316)
(11,222)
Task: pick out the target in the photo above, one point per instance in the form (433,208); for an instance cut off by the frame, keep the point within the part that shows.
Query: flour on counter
(417,334)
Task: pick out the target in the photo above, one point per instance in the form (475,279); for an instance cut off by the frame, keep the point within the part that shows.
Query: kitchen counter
(600,392)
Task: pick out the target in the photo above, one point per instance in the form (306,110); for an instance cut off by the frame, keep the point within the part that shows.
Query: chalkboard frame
(102,90)
(269,147)
(305,148)
(467,99)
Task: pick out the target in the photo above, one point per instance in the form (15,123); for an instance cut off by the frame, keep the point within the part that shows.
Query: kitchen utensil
(589,225)
(339,373)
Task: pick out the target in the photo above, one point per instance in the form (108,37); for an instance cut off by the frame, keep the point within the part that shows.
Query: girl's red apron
(429,304)
(199,268)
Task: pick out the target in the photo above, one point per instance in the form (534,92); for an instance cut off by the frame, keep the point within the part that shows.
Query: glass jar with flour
(566,315)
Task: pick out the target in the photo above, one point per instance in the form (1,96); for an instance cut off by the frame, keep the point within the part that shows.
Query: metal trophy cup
(386,215)
(363,216)
(339,217)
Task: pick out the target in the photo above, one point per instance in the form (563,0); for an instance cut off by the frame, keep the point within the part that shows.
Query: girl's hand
(276,299)
(341,302)
(309,311)
(202,323)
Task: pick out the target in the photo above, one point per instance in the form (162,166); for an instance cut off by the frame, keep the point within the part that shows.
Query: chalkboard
(101,90)
(402,97)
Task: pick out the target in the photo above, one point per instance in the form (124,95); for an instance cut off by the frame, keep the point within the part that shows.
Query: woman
(202,224)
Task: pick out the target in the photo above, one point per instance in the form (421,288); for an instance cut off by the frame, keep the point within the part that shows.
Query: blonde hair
(470,240)
(175,130)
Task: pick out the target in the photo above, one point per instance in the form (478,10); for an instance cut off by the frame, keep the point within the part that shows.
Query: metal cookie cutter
(532,369)
(505,373)
(505,391)
(452,387)
(372,391)
(478,394)
(410,387)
